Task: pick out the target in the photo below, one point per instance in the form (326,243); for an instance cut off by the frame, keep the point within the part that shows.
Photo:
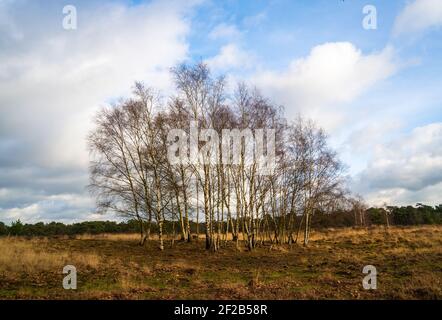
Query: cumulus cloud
(418,16)
(332,75)
(398,196)
(407,169)
(369,134)
(49,88)
(230,56)
(66,208)
(53,80)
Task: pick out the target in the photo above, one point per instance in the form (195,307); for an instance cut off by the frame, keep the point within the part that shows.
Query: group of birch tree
(131,173)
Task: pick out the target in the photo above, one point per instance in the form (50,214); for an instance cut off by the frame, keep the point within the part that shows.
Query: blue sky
(376,92)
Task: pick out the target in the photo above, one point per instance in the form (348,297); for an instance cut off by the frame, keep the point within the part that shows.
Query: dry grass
(110,237)
(408,260)
(20,255)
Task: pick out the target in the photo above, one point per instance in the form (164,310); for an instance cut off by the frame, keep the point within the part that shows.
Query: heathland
(408,262)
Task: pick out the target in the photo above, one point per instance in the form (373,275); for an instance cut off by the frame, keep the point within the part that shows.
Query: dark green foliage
(3,229)
(56,228)
(420,214)
(376,216)
(408,215)
(16,228)
(335,219)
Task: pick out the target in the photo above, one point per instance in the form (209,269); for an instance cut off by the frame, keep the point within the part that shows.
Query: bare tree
(132,175)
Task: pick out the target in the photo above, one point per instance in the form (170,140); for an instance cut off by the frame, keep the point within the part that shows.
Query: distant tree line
(17,228)
(389,215)
(406,215)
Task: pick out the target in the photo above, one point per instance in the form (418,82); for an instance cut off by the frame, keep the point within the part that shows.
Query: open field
(408,262)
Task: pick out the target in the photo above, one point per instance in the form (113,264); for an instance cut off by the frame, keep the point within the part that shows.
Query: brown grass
(408,260)
(19,255)
(110,237)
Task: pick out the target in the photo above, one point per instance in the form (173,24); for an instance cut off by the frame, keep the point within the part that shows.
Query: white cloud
(429,195)
(62,208)
(332,75)
(224,31)
(418,16)
(231,56)
(52,87)
(52,81)
(369,133)
(407,169)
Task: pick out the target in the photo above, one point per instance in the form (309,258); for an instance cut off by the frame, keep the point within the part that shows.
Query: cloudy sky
(377,92)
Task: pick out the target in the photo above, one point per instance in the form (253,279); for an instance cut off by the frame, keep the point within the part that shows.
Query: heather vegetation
(113,266)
